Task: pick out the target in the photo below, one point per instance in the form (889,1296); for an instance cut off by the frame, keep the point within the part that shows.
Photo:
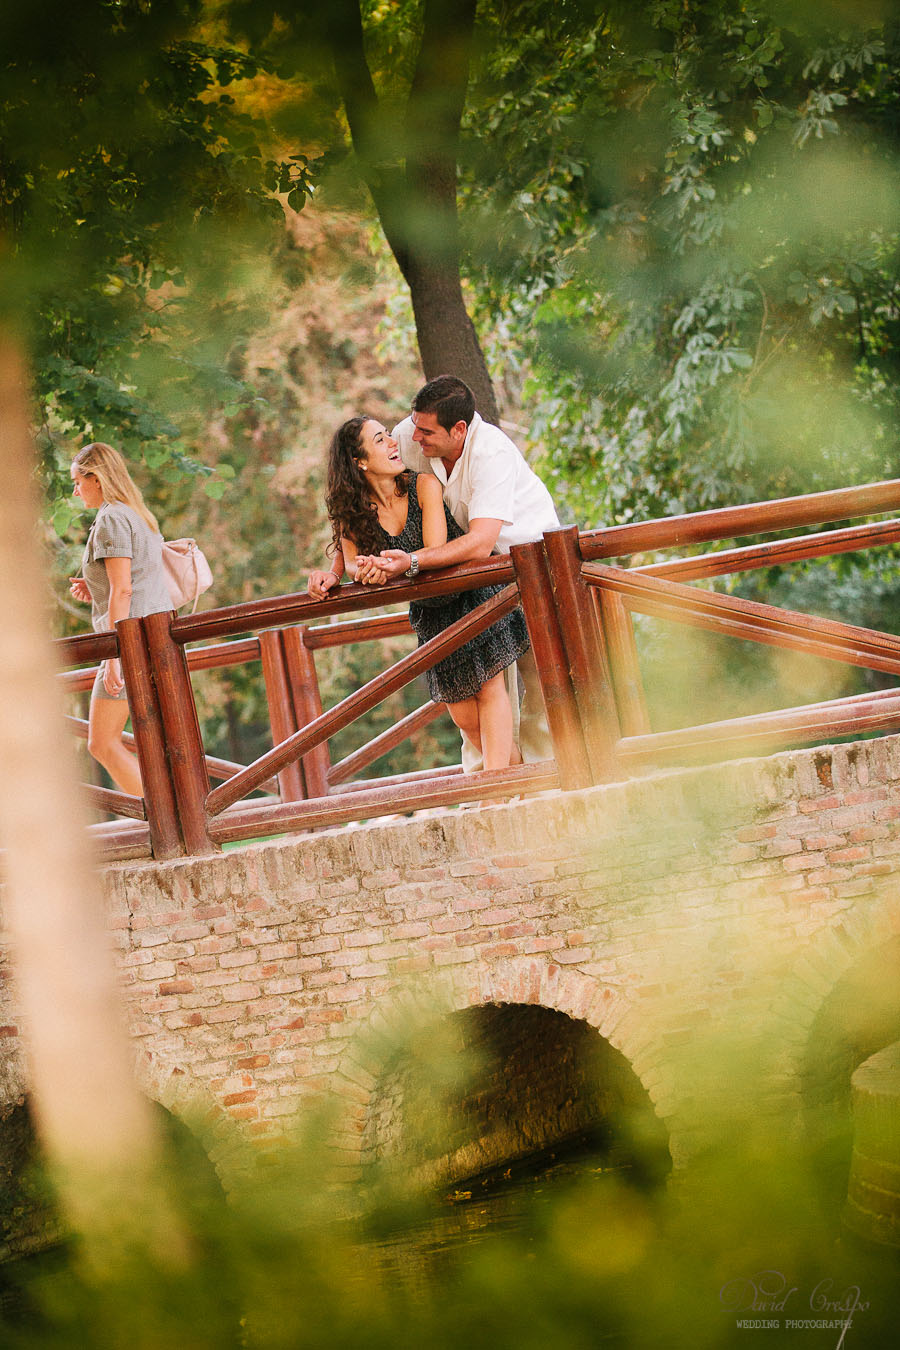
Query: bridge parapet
(697,919)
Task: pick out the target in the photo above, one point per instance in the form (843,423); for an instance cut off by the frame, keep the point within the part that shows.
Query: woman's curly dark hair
(350,507)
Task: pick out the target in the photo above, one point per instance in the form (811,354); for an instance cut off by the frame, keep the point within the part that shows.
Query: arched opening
(28,1219)
(493,1091)
(860,1016)
(33,1232)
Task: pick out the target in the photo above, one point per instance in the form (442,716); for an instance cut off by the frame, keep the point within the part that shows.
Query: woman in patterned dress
(122,577)
(374,503)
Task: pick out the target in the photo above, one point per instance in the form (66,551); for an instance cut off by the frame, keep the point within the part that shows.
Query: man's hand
(371,571)
(320,583)
(394,562)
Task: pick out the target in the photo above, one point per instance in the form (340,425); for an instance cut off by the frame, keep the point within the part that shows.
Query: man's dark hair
(448,398)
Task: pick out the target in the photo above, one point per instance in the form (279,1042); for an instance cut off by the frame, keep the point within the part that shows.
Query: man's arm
(474,546)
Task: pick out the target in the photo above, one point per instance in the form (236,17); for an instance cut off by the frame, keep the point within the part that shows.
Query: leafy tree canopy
(135,211)
(677,221)
(686,217)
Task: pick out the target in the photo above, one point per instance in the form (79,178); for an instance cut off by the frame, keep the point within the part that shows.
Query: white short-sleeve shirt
(490,480)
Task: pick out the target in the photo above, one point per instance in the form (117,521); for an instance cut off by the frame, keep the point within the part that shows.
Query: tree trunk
(448,343)
(412,178)
(95,1127)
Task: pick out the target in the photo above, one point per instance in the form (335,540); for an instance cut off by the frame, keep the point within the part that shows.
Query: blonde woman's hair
(116,483)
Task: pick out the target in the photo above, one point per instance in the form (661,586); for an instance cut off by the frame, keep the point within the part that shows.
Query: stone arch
(13,1077)
(527,983)
(821,964)
(171,1087)
(859,1017)
(841,1006)
(28,1218)
(30,1221)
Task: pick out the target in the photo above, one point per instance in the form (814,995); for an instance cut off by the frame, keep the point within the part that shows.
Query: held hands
(393,562)
(78,589)
(370,570)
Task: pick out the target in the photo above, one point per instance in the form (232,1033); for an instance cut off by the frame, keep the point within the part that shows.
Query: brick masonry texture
(695,918)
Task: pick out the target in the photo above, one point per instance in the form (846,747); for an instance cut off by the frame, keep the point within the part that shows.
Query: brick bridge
(704,940)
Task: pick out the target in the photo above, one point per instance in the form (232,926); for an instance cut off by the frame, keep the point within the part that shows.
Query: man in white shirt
(488,486)
(497,499)
(495,496)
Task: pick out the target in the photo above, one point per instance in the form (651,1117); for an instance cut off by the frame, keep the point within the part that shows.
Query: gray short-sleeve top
(119,532)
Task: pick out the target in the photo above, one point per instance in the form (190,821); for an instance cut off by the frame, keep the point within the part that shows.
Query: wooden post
(623,659)
(282,718)
(551,659)
(587,661)
(304,686)
(184,746)
(159,793)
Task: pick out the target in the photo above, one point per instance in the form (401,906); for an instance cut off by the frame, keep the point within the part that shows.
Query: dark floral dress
(460,675)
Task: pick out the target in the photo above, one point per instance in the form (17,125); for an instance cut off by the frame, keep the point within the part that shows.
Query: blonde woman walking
(122,577)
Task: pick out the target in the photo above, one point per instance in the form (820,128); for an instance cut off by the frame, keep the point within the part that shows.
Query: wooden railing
(579,614)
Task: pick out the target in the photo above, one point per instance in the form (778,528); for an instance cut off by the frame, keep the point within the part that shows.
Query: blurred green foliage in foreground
(298,1258)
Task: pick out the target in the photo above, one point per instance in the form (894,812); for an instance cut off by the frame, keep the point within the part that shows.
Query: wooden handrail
(118,803)
(583,642)
(451,789)
(218,768)
(748,618)
(387,741)
(414,776)
(613,541)
(852,716)
(779,553)
(289,609)
(74,651)
(365,698)
(358,630)
(198,658)
(735,522)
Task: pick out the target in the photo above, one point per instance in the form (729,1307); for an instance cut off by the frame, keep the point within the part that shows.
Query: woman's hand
(320,583)
(370,571)
(112,676)
(78,589)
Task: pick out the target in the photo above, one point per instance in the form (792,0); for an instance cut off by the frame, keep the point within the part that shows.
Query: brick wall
(698,920)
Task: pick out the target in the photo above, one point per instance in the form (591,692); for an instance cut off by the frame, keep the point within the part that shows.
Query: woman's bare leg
(465,716)
(495,720)
(106,722)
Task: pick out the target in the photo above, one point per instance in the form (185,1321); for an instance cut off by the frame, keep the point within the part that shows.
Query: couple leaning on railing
(445,488)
